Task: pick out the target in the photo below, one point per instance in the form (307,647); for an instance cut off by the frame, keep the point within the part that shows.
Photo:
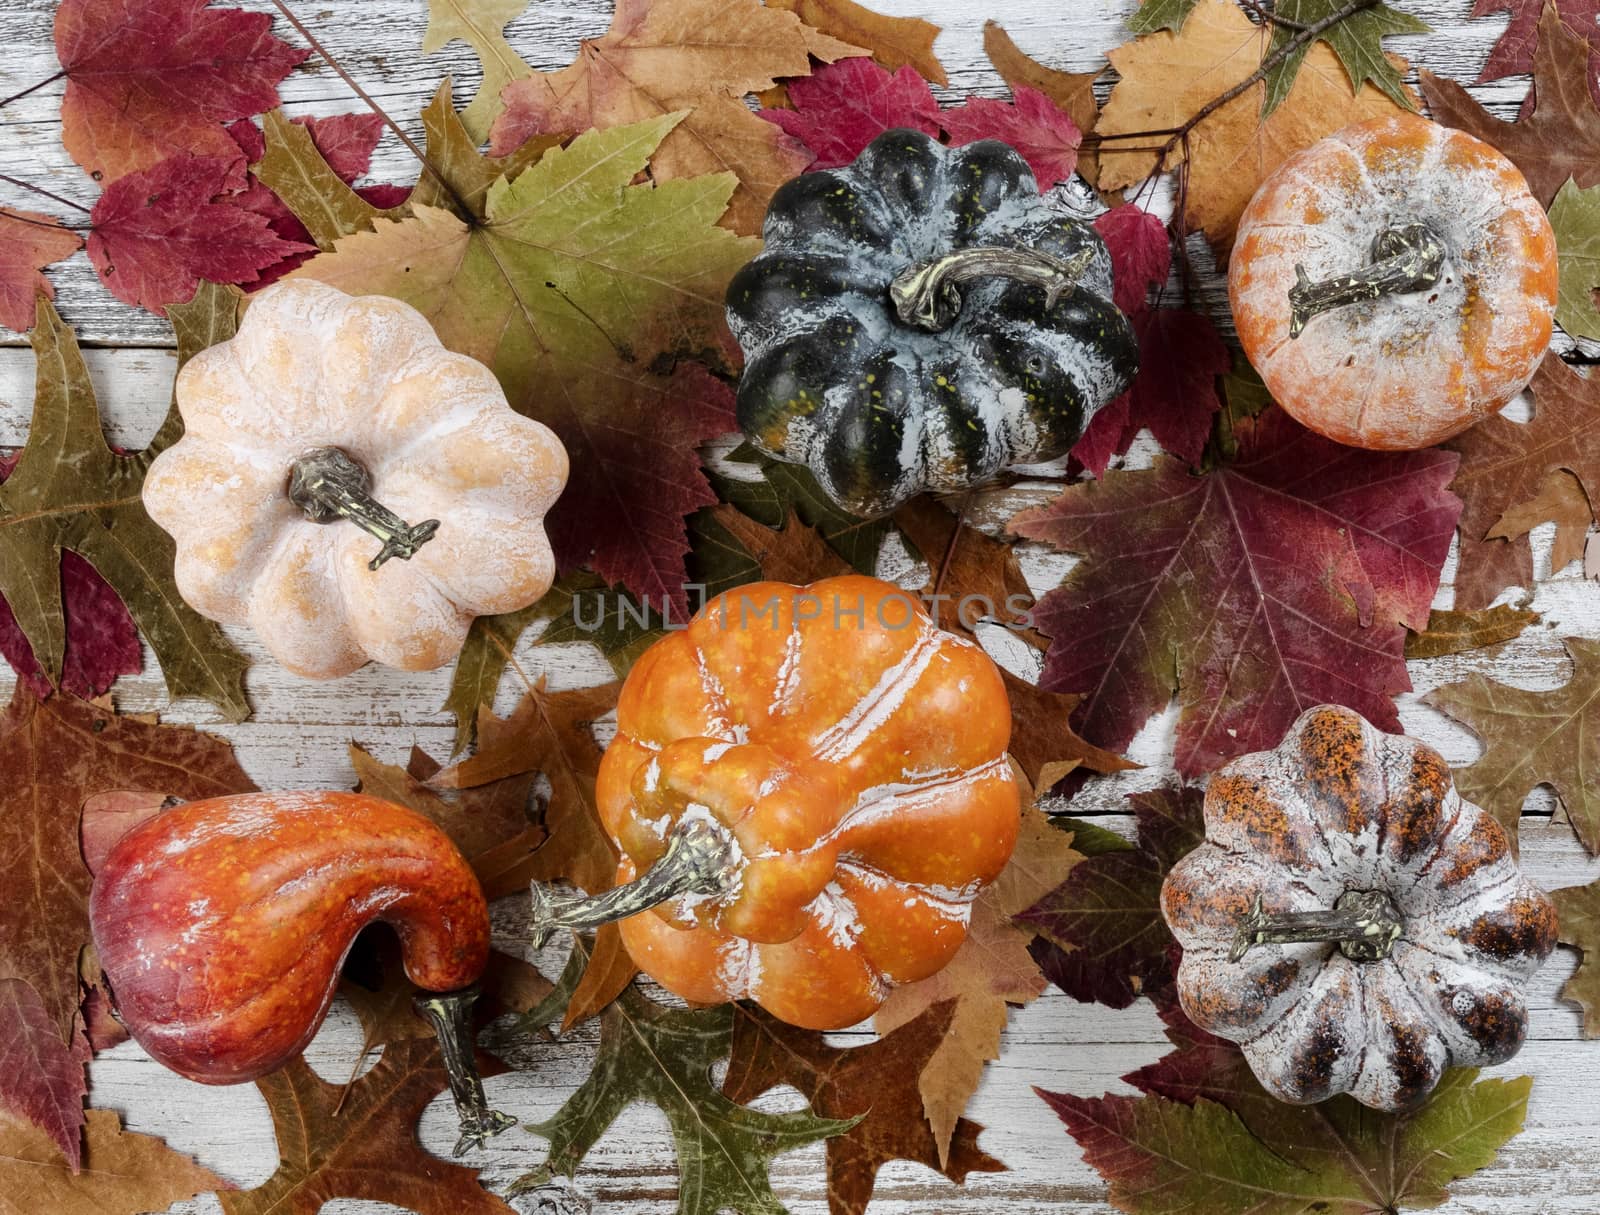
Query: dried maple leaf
(1356,39)
(156,233)
(1456,632)
(301,181)
(56,753)
(991,971)
(1560,137)
(1505,464)
(1032,124)
(1561,501)
(1514,51)
(845,106)
(100,641)
(1575,216)
(1205,1136)
(1578,912)
(1167,78)
(982,580)
(664,1056)
(1073,92)
(457,176)
(697,56)
(1533,738)
(29,242)
(361,1142)
(481,25)
(876,1083)
(794,553)
(1141,254)
(160,78)
(1174,395)
(98,514)
(1283,580)
(1103,936)
(574,288)
(552,733)
(895,42)
(123,1173)
(42,1078)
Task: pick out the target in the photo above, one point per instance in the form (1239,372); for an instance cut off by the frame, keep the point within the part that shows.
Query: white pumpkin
(313,370)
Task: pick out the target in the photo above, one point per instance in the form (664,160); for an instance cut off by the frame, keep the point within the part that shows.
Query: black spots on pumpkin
(984,176)
(1415,813)
(767,295)
(1524,928)
(1315,1055)
(903,166)
(787,382)
(865,458)
(816,206)
(1416,1069)
(1496,1020)
(1340,777)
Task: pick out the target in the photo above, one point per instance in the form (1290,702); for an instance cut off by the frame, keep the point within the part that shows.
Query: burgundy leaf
(42,1078)
(1141,254)
(1032,124)
(842,107)
(1284,580)
(157,232)
(1512,54)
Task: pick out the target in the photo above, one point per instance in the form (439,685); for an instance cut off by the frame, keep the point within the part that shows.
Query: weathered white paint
(298,735)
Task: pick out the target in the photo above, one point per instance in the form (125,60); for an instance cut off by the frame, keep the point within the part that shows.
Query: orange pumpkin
(813,783)
(1394,283)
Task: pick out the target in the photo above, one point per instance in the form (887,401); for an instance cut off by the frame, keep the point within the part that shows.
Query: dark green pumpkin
(1002,363)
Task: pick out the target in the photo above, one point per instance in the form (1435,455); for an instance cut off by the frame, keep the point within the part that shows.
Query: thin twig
(51,225)
(372,105)
(950,549)
(32,88)
(1270,16)
(28,185)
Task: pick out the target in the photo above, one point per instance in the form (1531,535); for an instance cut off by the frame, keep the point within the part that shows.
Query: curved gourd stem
(1365,923)
(928,294)
(1404,259)
(450,1014)
(328,485)
(700,859)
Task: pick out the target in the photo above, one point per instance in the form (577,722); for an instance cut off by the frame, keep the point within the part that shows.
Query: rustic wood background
(298,735)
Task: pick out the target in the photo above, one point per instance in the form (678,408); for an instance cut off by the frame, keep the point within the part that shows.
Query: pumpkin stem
(328,485)
(1405,259)
(701,858)
(928,296)
(450,1016)
(1365,923)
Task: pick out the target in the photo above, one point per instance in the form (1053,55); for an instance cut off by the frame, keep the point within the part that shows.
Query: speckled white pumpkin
(312,367)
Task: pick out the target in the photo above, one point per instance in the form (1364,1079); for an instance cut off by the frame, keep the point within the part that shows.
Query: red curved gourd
(222,924)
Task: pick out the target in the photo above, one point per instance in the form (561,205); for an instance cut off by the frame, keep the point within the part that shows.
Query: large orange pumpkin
(1394,283)
(828,772)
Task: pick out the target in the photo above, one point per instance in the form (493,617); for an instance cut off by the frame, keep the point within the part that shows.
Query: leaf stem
(32,88)
(40,190)
(1270,16)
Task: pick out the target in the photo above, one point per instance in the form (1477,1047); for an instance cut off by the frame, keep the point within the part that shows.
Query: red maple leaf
(1141,254)
(1032,124)
(841,108)
(1283,580)
(41,1077)
(149,80)
(158,232)
(101,640)
(1512,54)
(28,243)
(1181,354)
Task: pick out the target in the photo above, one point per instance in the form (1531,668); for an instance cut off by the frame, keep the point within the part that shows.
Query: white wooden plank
(297,737)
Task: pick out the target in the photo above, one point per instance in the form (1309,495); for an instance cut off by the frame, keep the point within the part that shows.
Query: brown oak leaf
(1533,738)
(991,971)
(672,55)
(1167,78)
(1504,464)
(55,754)
(1560,137)
(1560,500)
(1578,911)
(29,242)
(362,1143)
(123,1173)
(795,553)
(895,42)
(1453,631)
(877,1083)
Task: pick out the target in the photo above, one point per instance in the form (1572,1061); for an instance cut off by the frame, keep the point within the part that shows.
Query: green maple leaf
(1533,738)
(1578,910)
(296,172)
(1575,216)
(71,491)
(664,1056)
(481,25)
(1155,15)
(457,175)
(1357,40)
